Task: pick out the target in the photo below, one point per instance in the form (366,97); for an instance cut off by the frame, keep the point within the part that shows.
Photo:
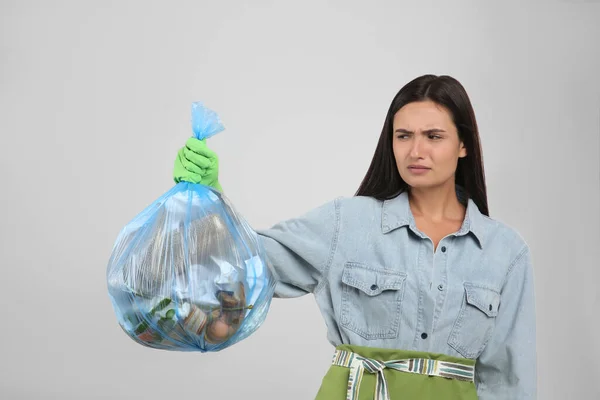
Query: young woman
(423,294)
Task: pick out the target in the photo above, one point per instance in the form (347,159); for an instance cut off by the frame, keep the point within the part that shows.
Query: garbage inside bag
(189,273)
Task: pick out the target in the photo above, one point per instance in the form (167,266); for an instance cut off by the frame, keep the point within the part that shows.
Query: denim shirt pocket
(476,320)
(371,300)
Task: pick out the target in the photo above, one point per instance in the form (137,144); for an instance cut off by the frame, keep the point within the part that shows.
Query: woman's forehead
(423,115)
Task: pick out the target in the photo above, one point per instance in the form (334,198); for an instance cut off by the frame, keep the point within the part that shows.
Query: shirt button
(423,335)
(490,307)
(443,249)
(374,287)
(440,287)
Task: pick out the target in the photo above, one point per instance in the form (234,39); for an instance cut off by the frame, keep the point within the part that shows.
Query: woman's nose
(416,149)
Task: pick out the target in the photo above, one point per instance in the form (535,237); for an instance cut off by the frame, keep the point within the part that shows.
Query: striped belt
(358,365)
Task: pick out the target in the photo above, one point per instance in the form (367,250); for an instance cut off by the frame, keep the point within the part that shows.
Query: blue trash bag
(189,273)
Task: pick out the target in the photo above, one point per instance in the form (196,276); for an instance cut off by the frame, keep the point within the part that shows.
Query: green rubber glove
(196,163)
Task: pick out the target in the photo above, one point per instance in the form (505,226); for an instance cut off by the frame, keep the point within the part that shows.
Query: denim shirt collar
(396,213)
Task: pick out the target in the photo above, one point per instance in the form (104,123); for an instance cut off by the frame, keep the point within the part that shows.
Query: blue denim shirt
(378,282)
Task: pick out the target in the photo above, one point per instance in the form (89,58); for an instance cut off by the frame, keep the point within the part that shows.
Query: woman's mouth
(418,169)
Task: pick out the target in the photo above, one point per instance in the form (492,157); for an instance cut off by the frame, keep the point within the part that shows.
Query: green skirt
(400,384)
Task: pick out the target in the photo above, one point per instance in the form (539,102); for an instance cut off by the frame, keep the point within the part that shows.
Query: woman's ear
(463,151)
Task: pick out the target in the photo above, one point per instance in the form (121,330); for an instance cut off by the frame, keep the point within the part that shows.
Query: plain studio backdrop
(95,102)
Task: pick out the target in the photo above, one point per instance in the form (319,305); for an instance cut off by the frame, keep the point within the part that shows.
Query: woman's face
(426,145)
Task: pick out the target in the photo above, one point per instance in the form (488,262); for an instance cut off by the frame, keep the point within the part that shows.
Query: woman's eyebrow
(427,131)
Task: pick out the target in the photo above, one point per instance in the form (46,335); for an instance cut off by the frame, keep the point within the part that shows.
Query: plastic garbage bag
(188,273)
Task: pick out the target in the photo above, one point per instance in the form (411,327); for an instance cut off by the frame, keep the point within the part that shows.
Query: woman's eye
(435,137)
(402,136)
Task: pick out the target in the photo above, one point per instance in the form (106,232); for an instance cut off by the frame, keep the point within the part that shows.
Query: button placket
(440,275)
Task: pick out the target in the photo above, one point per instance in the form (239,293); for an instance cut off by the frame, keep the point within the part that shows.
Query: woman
(423,294)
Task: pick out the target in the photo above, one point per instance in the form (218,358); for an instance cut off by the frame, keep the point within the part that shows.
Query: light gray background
(95,102)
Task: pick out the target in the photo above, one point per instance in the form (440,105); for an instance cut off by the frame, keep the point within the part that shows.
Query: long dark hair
(383,180)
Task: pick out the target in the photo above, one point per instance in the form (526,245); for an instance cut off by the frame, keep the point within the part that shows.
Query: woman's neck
(436,204)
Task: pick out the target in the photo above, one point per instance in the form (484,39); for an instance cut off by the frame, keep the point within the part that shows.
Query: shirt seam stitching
(512,265)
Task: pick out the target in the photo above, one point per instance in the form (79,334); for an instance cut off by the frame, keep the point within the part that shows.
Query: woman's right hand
(196,163)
